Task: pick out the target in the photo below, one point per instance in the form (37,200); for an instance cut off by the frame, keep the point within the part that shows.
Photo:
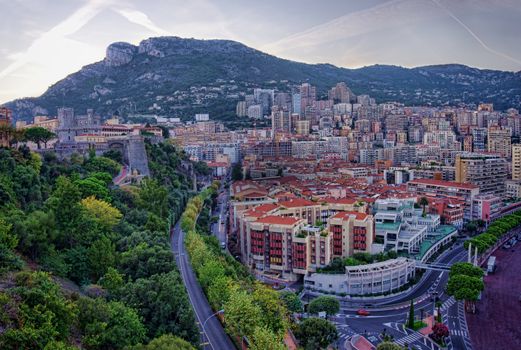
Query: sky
(42,41)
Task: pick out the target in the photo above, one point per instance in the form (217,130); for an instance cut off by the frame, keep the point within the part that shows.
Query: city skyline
(403,32)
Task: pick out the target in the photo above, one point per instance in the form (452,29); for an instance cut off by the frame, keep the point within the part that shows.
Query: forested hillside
(85,264)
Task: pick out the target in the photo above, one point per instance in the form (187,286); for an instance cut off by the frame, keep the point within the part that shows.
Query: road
(389,315)
(213,336)
(219,227)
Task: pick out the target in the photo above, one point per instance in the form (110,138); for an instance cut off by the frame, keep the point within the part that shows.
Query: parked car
(363,312)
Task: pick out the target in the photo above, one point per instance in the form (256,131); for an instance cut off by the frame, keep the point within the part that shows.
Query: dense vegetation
(86,264)
(495,232)
(465,283)
(251,309)
(338,265)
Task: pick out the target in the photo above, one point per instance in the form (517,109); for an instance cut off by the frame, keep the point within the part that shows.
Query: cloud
(141,19)
(390,14)
(475,36)
(56,37)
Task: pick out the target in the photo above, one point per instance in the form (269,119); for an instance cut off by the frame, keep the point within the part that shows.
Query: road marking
(409,339)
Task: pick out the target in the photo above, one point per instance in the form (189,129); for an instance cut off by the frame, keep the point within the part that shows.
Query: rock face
(119,54)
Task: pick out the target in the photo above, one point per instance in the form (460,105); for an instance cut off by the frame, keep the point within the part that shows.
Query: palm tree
(423,202)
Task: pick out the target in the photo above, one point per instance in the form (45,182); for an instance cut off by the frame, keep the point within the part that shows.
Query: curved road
(213,336)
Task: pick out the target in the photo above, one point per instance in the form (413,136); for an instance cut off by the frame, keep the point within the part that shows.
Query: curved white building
(377,278)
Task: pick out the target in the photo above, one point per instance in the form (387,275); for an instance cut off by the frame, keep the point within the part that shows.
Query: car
(363,312)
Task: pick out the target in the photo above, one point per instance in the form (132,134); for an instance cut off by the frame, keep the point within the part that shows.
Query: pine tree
(410,324)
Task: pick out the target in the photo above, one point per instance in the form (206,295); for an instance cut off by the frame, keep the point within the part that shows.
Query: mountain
(179,77)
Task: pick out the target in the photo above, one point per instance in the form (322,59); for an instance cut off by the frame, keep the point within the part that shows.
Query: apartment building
(353,232)
(271,243)
(499,141)
(488,172)
(516,161)
(446,189)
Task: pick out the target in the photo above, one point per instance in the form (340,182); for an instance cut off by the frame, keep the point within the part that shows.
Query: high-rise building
(340,93)
(241,110)
(489,172)
(478,139)
(264,98)
(516,161)
(499,141)
(308,96)
(255,112)
(280,120)
(5,120)
(296,104)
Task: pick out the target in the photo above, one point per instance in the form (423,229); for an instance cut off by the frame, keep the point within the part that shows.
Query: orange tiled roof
(297,202)
(347,214)
(277,220)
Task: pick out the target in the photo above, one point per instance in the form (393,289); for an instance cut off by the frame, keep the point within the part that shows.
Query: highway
(213,336)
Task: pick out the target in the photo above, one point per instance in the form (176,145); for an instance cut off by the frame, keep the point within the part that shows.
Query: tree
(459,282)
(165,342)
(102,164)
(274,312)
(112,281)
(109,325)
(330,305)
(8,242)
(219,291)
(145,260)
(439,332)
(154,198)
(466,288)
(410,322)
(104,214)
(38,135)
(102,255)
(162,302)
(387,345)
(467,269)
(292,301)
(242,315)
(37,234)
(316,333)
(424,202)
(40,315)
(265,339)
(64,202)
(209,272)
(94,187)
(237,172)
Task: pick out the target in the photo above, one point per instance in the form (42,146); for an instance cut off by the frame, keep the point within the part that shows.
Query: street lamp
(209,317)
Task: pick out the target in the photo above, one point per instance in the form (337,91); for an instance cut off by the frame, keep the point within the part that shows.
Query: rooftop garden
(338,265)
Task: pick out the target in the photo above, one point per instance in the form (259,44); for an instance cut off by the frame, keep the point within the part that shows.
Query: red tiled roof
(339,200)
(277,220)
(347,214)
(266,207)
(297,202)
(443,183)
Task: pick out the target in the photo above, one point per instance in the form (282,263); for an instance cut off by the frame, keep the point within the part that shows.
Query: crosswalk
(459,333)
(448,303)
(409,339)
